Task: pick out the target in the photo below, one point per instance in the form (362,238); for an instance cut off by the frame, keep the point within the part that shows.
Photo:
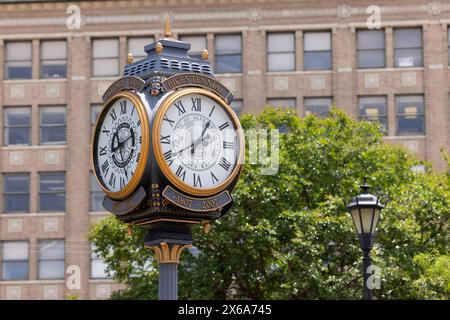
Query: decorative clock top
(197,142)
(120,145)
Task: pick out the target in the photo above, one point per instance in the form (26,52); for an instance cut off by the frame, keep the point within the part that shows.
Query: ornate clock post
(167,149)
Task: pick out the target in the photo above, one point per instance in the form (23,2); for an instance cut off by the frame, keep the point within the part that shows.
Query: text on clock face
(199,141)
(119,144)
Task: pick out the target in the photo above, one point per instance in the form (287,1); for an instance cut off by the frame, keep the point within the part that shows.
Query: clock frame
(158,154)
(141,167)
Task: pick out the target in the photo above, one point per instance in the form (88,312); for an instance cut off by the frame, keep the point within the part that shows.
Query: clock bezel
(135,180)
(163,166)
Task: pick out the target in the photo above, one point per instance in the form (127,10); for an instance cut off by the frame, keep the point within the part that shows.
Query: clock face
(198,143)
(118,145)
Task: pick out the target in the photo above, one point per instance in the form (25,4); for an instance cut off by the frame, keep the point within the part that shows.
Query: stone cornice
(341,12)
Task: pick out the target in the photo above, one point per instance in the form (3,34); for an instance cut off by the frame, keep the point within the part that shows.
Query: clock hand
(196,142)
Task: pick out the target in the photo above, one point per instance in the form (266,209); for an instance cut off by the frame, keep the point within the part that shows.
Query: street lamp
(365,210)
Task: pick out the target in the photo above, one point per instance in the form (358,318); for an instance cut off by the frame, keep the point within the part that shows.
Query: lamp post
(365,210)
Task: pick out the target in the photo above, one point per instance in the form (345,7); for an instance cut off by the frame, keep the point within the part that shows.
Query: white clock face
(118,144)
(198,141)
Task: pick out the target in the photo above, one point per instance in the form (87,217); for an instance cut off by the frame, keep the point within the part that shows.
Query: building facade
(57,59)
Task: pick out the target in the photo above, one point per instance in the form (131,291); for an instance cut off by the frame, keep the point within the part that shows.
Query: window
(317,106)
(228,53)
(51,259)
(52,122)
(198,44)
(408,47)
(371,49)
(373,109)
(95,112)
(98,266)
(281,51)
(237,106)
(317,50)
(105,57)
(97,195)
(16,192)
(282,102)
(52,191)
(18,60)
(53,59)
(15,260)
(410,115)
(17,126)
(136,47)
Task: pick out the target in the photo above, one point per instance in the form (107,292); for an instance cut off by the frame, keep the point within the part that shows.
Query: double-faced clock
(121,145)
(197,142)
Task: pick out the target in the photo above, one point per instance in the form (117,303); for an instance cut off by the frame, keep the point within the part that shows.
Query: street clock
(166,145)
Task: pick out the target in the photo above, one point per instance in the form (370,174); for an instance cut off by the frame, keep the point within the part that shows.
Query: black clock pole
(168,239)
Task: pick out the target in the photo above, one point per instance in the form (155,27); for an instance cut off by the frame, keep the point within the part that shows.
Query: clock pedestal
(168,240)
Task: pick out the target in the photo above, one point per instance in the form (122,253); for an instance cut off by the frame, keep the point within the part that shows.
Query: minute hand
(196,142)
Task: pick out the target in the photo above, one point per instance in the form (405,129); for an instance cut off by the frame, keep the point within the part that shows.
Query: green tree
(288,235)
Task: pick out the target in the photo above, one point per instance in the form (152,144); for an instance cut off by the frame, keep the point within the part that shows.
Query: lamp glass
(365,218)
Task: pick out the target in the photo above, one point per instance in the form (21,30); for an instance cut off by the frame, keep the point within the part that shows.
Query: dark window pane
(15,270)
(53,135)
(407,125)
(17,117)
(52,202)
(16,203)
(52,182)
(17,136)
(371,59)
(18,70)
(320,60)
(407,38)
(16,183)
(54,69)
(228,63)
(408,57)
(53,115)
(281,61)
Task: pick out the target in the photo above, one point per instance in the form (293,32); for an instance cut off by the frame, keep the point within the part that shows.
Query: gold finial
(130,58)
(167,29)
(130,230)
(206,226)
(159,47)
(205,54)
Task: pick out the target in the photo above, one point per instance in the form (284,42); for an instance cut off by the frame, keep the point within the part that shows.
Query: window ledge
(111,78)
(32,215)
(228,75)
(101,280)
(390,69)
(41,146)
(99,213)
(403,137)
(27,282)
(25,81)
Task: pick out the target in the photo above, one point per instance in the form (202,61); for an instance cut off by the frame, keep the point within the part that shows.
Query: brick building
(301,54)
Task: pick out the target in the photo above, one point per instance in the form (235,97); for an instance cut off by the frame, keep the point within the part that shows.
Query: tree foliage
(288,236)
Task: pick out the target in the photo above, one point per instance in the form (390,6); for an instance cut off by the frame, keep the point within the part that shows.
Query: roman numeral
(122,182)
(171,122)
(105,167)
(181,173)
(165,139)
(197,181)
(196,104)
(103,151)
(140,139)
(113,114)
(123,106)
(223,126)
(132,111)
(168,157)
(228,145)
(112,180)
(212,110)
(180,107)
(224,163)
(214,178)
(139,123)
(138,157)
(104,130)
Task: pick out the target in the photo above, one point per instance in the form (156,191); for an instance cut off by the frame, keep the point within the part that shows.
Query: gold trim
(145,146)
(169,220)
(167,28)
(156,145)
(168,253)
